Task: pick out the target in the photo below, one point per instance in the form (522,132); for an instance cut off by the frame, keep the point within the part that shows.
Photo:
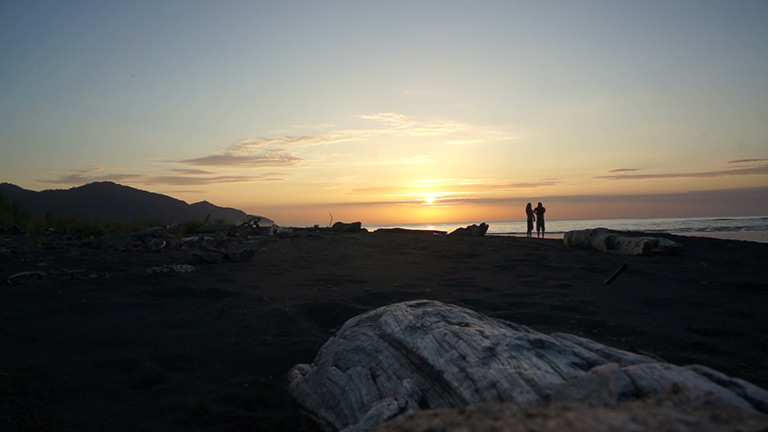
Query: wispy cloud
(756,195)
(452,187)
(281,151)
(81,178)
(191,171)
(197,180)
(741,161)
(393,120)
(624,170)
(88,169)
(757,170)
(179,177)
(485,186)
(398,123)
(413,160)
(266,159)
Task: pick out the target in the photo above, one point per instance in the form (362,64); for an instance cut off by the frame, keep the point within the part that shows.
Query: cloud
(413,160)
(390,124)
(399,124)
(266,152)
(191,171)
(281,151)
(758,170)
(450,187)
(389,119)
(485,185)
(266,159)
(624,170)
(444,127)
(79,178)
(735,196)
(740,161)
(201,177)
(250,146)
(183,177)
(196,180)
(92,168)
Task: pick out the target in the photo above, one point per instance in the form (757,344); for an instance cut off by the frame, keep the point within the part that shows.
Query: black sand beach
(94,342)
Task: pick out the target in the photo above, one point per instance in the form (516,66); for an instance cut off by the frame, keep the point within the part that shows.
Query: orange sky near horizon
(433,207)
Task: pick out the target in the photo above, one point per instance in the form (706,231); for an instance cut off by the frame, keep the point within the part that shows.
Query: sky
(394,112)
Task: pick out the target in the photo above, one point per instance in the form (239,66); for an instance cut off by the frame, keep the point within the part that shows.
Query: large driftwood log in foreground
(669,411)
(605,240)
(420,355)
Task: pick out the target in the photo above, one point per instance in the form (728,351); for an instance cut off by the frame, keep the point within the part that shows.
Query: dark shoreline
(98,343)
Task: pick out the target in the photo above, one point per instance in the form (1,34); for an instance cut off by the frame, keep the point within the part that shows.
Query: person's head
(528,206)
(539,203)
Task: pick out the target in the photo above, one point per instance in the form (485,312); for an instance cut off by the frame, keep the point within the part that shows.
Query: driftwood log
(669,411)
(352,227)
(422,355)
(473,230)
(605,240)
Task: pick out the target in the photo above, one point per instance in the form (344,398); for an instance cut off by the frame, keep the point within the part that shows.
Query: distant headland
(111,202)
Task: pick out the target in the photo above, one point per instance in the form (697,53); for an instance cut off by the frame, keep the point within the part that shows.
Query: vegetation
(12,219)
(10,214)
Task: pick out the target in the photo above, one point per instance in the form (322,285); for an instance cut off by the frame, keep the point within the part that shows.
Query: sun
(432,198)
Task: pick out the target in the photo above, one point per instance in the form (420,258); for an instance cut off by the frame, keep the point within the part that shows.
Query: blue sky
(425,111)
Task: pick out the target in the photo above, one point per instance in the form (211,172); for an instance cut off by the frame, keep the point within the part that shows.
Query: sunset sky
(394,111)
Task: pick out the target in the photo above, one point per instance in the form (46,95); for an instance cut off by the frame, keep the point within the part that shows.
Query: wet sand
(755,236)
(97,343)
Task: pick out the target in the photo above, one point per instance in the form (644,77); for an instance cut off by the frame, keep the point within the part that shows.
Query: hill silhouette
(108,201)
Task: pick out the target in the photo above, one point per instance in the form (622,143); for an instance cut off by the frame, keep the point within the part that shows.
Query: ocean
(753,228)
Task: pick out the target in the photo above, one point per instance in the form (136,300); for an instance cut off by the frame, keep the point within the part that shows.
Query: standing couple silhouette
(536,215)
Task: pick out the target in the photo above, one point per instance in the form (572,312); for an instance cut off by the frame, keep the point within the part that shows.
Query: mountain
(107,201)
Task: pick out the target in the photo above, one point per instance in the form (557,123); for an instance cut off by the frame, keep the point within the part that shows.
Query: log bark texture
(605,240)
(419,355)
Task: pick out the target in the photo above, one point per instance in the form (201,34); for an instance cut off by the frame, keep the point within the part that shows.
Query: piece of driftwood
(605,240)
(409,231)
(422,355)
(615,274)
(473,230)
(668,411)
(352,227)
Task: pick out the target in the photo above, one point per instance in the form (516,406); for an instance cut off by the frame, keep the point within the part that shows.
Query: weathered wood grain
(605,240)
(422,355)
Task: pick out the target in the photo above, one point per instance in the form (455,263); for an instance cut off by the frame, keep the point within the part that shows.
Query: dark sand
(115,348)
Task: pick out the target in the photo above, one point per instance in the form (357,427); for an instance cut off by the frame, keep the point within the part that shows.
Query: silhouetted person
(531,218)
(539,211)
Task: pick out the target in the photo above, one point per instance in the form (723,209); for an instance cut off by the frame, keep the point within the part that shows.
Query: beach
(95,340)
(752,236)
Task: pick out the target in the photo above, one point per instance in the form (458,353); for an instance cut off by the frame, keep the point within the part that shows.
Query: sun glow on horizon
(432,198)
